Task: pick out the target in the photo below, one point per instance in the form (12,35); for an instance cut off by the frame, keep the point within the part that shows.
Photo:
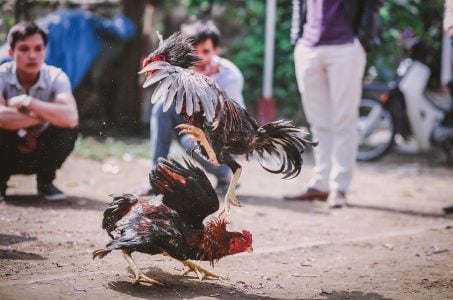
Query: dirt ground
(393,242)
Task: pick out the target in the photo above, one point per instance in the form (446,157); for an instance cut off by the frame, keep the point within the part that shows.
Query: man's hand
(208,70)
(21,101)
(450,31)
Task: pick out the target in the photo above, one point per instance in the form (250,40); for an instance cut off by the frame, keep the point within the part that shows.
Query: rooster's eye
(158,58)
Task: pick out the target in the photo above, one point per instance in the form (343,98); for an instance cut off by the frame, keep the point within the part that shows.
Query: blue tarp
(77,37)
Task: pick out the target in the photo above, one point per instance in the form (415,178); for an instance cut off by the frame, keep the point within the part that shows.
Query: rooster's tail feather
(119,207)
(100,253)
(282,140)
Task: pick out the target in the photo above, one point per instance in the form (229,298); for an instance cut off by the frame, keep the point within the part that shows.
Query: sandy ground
(392,243)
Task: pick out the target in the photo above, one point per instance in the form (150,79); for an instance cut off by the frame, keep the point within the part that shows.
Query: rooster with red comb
(221,127)
(171,222)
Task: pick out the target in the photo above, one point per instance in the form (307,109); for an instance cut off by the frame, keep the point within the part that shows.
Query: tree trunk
(21,10)
(126,105)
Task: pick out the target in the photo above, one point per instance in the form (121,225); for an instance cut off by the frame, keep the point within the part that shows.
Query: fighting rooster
(171,222)
(220,126)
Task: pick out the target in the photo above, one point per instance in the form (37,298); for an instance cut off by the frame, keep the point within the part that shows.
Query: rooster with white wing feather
(220,126)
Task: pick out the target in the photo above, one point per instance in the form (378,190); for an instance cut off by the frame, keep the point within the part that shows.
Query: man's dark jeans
(53,147)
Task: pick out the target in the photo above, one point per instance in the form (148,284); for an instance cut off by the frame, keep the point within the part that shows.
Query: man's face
(29,54)
(206,51)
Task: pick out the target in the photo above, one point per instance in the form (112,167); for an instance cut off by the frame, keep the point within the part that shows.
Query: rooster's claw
(200,271)
(199,136)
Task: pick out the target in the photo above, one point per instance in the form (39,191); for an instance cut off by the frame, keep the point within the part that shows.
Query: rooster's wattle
(171,222)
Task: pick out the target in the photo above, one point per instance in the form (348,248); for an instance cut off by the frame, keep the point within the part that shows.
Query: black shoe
(448,209)
(50,192)
(2,191)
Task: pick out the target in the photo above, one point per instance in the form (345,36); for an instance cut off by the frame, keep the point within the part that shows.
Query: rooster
(219,125)
(171,222)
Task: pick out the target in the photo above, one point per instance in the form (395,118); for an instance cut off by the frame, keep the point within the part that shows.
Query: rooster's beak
(249,250)
(147,68)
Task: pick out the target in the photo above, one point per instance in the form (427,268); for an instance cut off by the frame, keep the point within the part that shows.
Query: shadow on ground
(10,239)
(19,255)
(186,287)
(69,202)
(354,295)
(309,207)
(407,212)
(182,287)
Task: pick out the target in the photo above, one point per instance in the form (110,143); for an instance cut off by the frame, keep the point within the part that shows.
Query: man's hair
(200,31)
(23,30)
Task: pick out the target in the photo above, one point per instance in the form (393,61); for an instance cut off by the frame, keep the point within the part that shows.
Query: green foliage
(423,18)
(102,149)
(242,23)
(248,53)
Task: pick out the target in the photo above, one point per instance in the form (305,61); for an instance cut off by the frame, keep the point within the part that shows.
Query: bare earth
(392,243)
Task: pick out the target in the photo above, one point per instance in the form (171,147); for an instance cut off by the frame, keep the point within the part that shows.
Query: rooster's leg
(230,197)
(197,269)
(139,276)
(199,136)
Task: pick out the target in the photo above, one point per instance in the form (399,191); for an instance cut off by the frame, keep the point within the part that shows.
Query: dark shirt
(326,24)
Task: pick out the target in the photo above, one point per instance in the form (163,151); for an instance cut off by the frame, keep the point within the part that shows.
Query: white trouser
(330,81)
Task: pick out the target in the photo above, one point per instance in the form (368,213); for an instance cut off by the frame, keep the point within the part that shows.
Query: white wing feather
(198,93)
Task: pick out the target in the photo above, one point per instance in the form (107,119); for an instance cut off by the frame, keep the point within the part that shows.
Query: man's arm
(448,17)
(12,119)
(61,112)
(231,80)
(369,22)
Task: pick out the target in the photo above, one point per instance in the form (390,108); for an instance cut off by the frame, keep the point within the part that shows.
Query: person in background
(448,29)
(206,40)
(38,113)
(331,39)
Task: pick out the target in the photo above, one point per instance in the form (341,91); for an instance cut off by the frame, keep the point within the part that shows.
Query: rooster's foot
(230,197)
(139,276)
(230,200)
(200,137)
(199,270)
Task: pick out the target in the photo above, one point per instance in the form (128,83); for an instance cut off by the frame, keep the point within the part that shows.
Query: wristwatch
(26,102)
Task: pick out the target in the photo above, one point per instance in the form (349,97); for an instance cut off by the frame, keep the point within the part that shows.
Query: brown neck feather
(213,242)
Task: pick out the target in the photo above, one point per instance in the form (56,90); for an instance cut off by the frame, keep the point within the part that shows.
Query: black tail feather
(120,206)
(283,140)
(100,253)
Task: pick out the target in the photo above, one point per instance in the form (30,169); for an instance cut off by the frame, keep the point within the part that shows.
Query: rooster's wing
(186,190)
(191,91)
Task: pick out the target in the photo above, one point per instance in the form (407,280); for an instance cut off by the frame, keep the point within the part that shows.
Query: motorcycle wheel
(376,130)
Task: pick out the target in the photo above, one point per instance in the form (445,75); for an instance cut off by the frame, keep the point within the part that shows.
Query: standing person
(448,29)
(38,112)
(206,40)
(331,39)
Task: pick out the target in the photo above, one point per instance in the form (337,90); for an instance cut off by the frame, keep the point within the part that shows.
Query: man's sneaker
(448,209)
(50,192)
(2,191)
(310,194)
(337,200)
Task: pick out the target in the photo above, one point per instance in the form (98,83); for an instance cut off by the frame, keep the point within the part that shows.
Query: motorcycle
(404,111)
